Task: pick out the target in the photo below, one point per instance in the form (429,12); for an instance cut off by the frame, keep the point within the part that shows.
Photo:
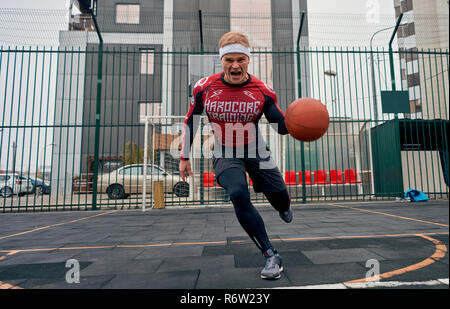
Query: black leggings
(235,183)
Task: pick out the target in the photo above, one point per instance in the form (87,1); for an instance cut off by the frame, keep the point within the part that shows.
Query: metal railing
(48,124)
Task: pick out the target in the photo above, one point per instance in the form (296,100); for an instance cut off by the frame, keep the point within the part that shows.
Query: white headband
(234,48)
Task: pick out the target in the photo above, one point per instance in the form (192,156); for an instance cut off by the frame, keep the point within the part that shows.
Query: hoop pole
(391,57)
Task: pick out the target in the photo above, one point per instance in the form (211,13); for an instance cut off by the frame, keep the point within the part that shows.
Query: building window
(147,61)
(127,13)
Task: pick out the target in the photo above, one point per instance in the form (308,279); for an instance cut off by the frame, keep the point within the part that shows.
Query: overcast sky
(331,22)
(33,4)
(350,22)
(32,23)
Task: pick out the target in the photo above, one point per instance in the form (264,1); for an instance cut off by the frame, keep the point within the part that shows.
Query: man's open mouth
(236,74)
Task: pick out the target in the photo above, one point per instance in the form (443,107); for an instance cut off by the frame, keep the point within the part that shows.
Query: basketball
(307,119)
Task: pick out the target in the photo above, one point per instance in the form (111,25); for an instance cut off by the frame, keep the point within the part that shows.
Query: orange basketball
(307,119)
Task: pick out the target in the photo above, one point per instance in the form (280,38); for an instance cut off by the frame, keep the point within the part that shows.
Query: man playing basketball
(234,101)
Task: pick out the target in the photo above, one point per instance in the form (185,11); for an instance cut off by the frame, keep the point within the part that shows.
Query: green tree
(134,154)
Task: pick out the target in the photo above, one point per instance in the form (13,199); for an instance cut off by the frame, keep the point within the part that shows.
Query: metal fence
(73,137)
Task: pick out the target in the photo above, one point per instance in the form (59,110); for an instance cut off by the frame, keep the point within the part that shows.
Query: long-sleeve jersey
(234,112)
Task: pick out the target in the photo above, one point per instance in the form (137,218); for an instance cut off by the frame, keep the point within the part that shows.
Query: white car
(14,184)
(129,179)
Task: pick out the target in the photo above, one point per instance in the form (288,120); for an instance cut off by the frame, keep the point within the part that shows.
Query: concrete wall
(186,38)
(431,32)
(151,17)
(67,132)
(124,87)
(126,95)
(424,176)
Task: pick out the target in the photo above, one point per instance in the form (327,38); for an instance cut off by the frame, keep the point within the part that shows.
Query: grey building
(148,46)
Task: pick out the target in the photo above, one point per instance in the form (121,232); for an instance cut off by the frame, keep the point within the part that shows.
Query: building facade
(148,48)
(420,33)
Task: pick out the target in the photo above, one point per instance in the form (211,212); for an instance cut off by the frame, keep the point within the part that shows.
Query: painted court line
(372,284)
(388,214)
(57,224)
(7,286)
(440,248)
(439,253)
(393,284)
(14,251)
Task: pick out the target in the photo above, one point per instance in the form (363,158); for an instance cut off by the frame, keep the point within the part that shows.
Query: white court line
(444,281)
(370,284)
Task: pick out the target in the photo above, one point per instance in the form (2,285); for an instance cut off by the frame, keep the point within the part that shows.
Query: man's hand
(185,166)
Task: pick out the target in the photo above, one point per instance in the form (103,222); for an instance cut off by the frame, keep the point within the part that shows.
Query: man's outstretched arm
(190,128)
(274,115)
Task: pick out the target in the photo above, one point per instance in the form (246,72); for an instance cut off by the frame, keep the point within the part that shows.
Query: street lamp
(332,74)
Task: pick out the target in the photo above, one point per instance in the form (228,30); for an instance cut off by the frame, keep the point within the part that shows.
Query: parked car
(14,184)
(129,179)
(40,186)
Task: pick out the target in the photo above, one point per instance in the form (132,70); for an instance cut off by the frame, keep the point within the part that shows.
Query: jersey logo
(215,93)
(249,94)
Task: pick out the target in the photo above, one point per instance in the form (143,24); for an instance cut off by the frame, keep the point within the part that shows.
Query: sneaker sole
(273,278)
(286,220)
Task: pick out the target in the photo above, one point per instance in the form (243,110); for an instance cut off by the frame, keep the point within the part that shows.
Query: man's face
(235,67)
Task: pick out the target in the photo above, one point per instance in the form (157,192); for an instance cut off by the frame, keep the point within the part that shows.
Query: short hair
(234,37)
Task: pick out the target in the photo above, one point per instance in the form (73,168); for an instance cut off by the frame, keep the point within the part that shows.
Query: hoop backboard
(395,102)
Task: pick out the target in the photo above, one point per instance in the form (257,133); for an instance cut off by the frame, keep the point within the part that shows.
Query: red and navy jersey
(233,110)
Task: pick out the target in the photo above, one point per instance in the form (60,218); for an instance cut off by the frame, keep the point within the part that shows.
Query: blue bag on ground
(416,195)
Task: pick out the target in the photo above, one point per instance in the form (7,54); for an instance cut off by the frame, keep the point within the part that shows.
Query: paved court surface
(329,245)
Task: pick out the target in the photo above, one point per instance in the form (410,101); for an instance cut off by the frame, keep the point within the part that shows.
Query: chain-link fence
(73,136)
(376,146)
(42,27)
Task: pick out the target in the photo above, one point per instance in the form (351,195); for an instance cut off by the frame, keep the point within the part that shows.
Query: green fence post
(97,113)
(299,83)
(202,161)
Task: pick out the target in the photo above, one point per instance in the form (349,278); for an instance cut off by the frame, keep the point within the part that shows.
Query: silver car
(129,179)
(14,184)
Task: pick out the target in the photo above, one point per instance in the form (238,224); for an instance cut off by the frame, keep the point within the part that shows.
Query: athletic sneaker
(286,216)
(273,267)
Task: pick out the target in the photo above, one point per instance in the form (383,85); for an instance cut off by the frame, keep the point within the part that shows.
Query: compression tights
(235,183)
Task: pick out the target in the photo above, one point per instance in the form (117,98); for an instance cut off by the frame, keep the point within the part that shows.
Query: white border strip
(370,284)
